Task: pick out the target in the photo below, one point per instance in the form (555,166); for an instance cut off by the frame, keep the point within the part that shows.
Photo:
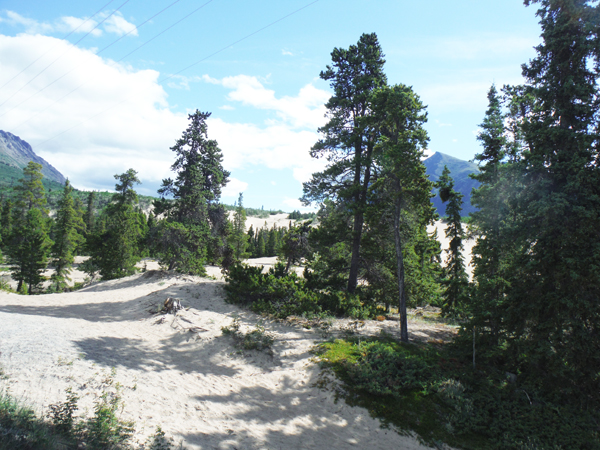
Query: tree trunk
(354,262)
(360,199)
(400,272)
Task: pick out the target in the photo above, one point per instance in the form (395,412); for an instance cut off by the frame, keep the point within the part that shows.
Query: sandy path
(181,373)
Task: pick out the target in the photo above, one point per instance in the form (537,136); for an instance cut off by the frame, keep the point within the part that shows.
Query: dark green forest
(523,371)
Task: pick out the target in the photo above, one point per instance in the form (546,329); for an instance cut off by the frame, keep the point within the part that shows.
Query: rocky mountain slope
(16,153)
(459,171)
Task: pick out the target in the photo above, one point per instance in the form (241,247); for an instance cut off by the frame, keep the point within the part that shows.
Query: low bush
(283,294)
(440,397)
(257,339)
(21,428)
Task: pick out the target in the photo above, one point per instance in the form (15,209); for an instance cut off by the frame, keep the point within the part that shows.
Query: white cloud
(227,108)
(274,146)
(120,118)
(31,26)
(306,110)
(234,187)
(182,82)
(286,52)
(115,24)
(117,119)
(118,25)
(296,204)
(82,25)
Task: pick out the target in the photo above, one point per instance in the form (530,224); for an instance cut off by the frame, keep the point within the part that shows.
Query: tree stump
(172,305)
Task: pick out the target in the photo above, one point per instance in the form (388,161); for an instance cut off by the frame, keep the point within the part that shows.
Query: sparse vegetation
(257,339)
(62,429)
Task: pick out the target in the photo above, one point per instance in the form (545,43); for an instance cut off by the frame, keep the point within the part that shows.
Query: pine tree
(115,245)
(239,238)
(6,222)
(349,138)
(30,192)
(491,222)
(89,217)
(29,250)
(251,242)
(68,223)
(455,281)
(401,191)
(195,221)
(552,309)
(260,246)
(29,243)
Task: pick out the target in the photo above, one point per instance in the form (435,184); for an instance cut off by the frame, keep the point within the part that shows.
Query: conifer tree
(68,224)
(490,222)
(29,243)
(251,242)
(89,217)
(455,281)
(401,190)
(6,219)
(195,219)
(552,309)
(115,246)
(349,138)
(261,246)
(239,238)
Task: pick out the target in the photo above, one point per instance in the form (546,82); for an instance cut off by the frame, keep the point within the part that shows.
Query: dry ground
(180,372)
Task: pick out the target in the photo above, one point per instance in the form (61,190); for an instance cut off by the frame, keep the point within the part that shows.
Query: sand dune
(180,372)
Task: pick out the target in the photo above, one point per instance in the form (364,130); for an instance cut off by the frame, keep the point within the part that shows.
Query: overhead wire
(97,53)
(182,70)
(65,52)
(63,38)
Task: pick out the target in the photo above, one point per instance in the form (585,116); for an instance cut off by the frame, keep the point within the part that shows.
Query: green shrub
(274,292)
(284,294)
(257,339)
(440,397)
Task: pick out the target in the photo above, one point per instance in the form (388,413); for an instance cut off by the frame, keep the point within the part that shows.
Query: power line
(65,37)
(100,51)
(97,53)
(182,70)
(238,41)
(72,45)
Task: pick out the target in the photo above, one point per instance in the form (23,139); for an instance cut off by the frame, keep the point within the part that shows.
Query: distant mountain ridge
(459,171)
(15,152)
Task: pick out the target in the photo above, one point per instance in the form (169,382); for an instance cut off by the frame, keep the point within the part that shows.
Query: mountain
(459,171)
(15,153)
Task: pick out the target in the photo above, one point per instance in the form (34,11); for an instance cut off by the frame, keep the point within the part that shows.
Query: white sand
(188,378)
(467,243)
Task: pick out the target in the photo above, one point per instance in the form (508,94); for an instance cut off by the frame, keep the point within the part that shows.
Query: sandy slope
(180,372)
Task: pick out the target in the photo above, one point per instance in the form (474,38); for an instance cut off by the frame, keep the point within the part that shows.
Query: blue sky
(95,105)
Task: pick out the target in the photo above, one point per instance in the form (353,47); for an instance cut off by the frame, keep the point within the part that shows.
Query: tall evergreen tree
(29,250)
(68,223)
(551,310)
(491,221)
(30,190)
(455,281)
(558,327)
(239,238)
(195,220)
(6,222)
(401,185)
(348,138)
(89,217)
(29,243)
(115,245)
